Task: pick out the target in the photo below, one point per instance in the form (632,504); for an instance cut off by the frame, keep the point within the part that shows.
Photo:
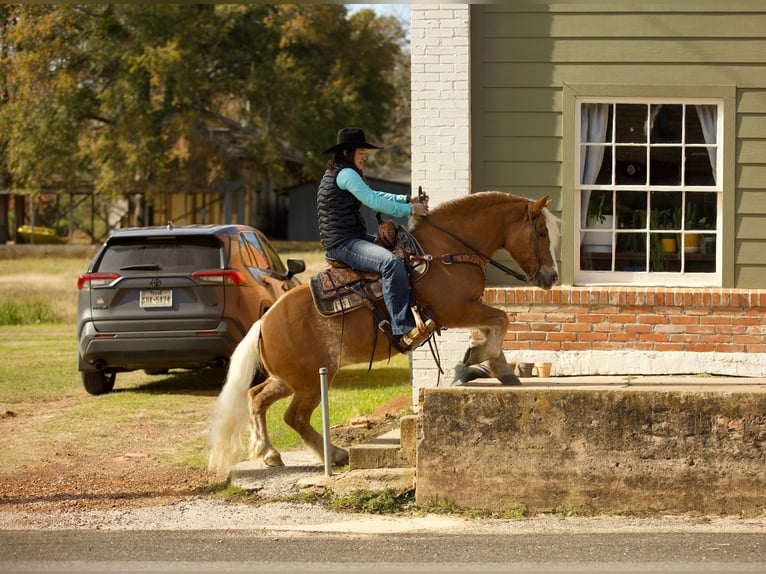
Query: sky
(400,11)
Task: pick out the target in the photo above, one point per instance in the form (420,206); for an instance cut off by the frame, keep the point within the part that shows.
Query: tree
(143,97)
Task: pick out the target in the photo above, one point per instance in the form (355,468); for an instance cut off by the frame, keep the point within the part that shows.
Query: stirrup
(417,336)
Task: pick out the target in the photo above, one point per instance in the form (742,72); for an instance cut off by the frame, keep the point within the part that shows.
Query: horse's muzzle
(546,277)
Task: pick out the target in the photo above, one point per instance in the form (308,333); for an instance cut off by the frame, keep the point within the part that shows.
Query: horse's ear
(538,205)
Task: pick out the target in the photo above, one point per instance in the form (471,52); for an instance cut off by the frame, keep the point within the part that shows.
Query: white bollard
(325,422)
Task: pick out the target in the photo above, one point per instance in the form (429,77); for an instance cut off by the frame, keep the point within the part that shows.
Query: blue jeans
(364,255)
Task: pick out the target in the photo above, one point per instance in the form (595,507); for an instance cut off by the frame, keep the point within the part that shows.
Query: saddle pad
(338,290)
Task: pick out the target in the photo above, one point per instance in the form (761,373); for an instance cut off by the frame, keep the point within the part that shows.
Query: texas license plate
(156,298)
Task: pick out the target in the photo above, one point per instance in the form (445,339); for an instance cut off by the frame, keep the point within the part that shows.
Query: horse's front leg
(261,397)
(298,416)
(487,346)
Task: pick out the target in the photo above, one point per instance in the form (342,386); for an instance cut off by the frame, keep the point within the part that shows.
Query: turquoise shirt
(389,203)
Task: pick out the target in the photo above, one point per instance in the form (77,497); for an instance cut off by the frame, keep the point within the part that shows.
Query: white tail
(231,414)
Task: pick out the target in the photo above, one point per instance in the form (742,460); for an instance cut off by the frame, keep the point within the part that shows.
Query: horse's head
(533,243)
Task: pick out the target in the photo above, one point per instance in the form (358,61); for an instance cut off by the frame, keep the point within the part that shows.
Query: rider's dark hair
(343,158)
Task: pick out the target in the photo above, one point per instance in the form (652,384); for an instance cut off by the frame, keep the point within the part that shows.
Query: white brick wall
(441,130)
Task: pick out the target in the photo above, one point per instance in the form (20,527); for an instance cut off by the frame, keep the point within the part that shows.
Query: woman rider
(343,232)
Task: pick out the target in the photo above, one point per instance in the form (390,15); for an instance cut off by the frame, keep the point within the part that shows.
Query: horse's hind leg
(261,397)
(298,416)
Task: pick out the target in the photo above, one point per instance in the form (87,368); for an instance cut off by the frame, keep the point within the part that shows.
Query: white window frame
(650,278)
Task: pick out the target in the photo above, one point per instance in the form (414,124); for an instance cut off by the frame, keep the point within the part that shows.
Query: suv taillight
(220,276)
(91,280)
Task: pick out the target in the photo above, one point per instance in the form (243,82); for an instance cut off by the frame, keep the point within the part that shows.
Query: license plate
(156,298)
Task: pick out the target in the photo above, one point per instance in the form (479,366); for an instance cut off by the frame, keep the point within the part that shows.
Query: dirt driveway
(129,476)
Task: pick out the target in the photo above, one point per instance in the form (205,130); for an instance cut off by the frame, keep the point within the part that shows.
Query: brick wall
(679,330)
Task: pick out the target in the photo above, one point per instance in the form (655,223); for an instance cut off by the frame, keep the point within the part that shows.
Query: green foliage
(165,96)
(371,502)
(26,312)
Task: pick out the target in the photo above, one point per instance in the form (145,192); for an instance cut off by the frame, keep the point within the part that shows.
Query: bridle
(528,278)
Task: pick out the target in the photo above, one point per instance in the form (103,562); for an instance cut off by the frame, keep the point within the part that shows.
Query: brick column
(441,130)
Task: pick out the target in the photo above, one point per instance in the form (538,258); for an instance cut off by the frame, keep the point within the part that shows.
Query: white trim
(633,362)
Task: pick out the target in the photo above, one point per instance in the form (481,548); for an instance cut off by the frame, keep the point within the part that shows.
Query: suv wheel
(98,382)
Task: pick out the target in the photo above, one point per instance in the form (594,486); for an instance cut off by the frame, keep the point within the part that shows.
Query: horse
(292,341)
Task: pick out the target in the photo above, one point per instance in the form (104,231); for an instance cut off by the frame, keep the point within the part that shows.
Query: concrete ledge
(630,446)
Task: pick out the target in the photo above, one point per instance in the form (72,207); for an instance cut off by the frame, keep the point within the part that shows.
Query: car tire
(98,382)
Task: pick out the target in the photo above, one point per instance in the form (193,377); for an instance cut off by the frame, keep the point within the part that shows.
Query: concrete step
(394,449)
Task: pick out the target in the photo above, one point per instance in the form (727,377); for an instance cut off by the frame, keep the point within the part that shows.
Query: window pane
(701,124)
(699,170)
(664,252)
(631,252)
(666,210)
(666,123)
(596,123)
(630,168)
(631,209)
(599,208)
(596,165)
(665,166)
(701,210)
(631,123)
(604,176)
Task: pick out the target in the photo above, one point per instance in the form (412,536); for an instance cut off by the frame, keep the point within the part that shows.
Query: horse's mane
(486,199)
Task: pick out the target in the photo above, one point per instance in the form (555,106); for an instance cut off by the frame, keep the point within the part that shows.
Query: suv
(158,298)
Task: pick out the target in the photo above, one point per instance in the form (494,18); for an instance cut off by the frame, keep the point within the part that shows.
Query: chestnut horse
(292,341)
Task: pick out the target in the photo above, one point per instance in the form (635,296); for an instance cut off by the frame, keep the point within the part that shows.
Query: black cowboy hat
(351,138)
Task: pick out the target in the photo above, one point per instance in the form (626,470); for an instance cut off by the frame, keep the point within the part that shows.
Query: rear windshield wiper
(141,267)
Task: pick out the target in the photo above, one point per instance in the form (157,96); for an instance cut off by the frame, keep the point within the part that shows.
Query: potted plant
(599,216)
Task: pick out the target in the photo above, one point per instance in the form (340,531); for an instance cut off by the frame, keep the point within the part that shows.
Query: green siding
(523,54)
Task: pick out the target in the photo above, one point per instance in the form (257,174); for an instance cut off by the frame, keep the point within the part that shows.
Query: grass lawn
(44,406)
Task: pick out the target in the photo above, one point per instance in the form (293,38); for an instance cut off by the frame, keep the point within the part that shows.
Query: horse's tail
(230,414)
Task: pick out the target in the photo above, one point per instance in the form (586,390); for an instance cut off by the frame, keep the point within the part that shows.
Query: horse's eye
(542,233)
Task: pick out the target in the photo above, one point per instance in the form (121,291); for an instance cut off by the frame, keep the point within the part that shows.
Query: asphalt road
(260,551)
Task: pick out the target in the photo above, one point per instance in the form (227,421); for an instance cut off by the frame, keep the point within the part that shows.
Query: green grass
(44,407)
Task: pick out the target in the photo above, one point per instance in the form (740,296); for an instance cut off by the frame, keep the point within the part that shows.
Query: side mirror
(295,266)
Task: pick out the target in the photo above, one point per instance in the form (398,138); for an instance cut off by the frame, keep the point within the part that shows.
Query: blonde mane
(457,208)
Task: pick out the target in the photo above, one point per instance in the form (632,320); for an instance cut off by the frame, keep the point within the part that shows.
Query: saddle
(337,288)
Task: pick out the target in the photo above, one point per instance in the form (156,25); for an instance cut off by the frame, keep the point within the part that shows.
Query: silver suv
(159,298)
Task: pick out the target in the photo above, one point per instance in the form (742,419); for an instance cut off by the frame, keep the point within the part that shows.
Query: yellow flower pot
(668,245)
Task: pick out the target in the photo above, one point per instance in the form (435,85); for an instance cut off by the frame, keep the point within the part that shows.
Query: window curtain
(708,116)
(593,127)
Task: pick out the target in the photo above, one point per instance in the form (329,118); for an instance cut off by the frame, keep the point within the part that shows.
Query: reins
(494,263)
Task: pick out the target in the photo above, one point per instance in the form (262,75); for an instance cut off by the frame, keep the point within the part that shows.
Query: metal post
(325,422)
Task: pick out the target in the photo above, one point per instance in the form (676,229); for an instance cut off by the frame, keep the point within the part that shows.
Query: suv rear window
(169,254)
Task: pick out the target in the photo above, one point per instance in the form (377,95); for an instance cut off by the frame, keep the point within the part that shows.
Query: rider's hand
(419,209)
(422,197)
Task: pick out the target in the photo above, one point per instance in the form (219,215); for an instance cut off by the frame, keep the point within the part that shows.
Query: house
(646,124)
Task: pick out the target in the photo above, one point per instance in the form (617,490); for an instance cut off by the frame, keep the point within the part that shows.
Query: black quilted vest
(338,211)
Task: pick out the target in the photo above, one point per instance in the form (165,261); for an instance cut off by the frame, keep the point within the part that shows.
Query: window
(183,254)
(260,253)
(648,191)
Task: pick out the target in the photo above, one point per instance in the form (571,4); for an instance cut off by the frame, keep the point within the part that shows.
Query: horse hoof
(509,380)
(467,374)
(273,459)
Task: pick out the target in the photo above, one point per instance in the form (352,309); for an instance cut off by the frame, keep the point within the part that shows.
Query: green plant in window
(659,219)
(598,206)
